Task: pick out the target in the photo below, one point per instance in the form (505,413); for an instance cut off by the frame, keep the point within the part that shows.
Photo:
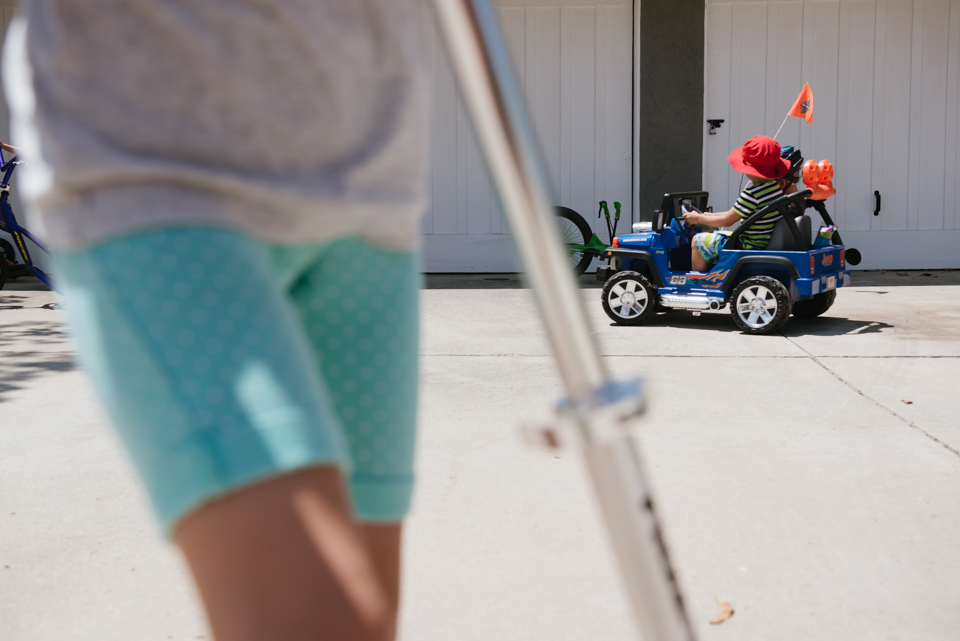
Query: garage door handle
(876,212)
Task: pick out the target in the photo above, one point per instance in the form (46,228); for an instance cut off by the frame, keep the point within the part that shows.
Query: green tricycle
(583,245)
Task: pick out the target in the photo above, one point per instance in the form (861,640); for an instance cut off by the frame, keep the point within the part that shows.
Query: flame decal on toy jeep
(714,280)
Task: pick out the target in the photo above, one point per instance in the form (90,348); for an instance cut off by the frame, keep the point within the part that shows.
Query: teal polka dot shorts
(223,361)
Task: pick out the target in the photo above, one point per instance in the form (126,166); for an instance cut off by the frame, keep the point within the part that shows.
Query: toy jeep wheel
(629,298)
(815,306)
(760,304)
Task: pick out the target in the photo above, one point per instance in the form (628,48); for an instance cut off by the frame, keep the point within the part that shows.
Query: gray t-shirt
(294,120)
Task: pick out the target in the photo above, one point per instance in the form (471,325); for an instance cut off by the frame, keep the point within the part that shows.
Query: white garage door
(574,63)
(884,75)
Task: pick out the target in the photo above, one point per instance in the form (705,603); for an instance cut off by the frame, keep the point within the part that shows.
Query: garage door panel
(736,126)
(933,117)
(582,120)
(824,76)
(513,21)
(617,177)
(546,89)
(600,105)
(855,114)
(951,195)
(896,100)
(789,68)
(916,84)
(575,69)
(879,91)
(563,187)
(717,103)
(895,23)
(480,205)
(753,69)
(770,71)
(784,49)
(446,111)
(464,178)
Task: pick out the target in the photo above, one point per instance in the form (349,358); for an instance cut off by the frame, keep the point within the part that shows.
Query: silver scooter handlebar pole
(597,410)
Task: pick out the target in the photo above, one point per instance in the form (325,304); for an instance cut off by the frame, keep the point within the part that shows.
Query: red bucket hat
(760,156)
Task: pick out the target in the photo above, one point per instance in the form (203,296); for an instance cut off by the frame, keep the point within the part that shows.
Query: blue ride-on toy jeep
(650,270)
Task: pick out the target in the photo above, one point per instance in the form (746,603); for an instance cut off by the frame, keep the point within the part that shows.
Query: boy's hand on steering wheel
(691,218)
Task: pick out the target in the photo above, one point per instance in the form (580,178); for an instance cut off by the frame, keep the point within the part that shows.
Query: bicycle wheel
(576,234)
(7,252)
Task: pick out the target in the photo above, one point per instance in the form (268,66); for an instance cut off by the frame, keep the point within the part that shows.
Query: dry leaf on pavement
(726,611)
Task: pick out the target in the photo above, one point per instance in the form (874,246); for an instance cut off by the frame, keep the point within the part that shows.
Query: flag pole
(781,126)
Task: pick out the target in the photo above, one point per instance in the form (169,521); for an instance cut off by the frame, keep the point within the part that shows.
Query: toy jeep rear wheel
(760,304)
(629,298)
(815,306)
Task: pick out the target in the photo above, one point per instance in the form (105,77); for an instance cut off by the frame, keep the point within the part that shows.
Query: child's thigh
(200,361)
(709,245)
(359,307)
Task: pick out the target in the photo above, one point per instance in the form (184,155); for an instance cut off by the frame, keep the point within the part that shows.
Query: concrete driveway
(811,478)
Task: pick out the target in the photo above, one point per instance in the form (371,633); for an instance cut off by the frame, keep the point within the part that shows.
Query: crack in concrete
(873,400)
(798,356)
(4,351)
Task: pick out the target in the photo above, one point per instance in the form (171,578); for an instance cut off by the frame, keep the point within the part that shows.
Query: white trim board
(463,253)
(930,249)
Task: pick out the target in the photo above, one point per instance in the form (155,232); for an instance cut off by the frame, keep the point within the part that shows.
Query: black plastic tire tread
(780,293)
(653,300)
(815,306)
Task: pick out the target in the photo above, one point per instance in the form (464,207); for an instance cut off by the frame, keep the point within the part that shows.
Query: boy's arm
(714,219)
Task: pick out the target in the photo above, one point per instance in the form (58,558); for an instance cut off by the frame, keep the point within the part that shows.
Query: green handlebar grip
(616,206)
(603,206)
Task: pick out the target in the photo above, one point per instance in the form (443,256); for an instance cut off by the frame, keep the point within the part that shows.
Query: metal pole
(599,409)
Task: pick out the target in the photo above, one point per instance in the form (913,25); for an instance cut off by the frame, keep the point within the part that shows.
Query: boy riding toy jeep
(792,272)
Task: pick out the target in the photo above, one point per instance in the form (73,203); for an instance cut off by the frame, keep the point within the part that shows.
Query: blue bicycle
(10,267)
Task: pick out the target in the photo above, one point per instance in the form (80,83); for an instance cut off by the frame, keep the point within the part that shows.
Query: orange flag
(803,107)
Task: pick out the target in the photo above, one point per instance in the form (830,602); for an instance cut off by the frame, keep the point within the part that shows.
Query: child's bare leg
(283,560)
(697,262)
(383,546)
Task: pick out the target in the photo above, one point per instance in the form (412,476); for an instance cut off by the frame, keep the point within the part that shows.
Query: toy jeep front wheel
(760,304)
(629,298)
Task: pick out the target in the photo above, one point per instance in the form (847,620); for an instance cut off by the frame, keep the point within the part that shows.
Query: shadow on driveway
(26,336)
(18,370)
(30,348)
(832,326)
(795,327)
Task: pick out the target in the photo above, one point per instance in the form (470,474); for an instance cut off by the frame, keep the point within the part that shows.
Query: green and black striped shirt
(754,198)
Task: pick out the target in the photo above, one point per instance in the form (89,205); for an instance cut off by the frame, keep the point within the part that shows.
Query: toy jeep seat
(782,240)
